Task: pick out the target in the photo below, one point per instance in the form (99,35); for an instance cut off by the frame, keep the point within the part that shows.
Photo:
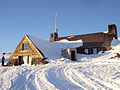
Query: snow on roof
(67,41)
(52,50)
(105,32)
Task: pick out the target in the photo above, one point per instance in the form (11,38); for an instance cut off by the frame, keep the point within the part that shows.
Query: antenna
(56,23)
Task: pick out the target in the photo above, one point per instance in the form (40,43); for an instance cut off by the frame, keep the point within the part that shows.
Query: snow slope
(90,72)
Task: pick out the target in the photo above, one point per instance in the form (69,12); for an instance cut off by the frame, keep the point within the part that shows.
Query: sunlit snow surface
(90,72)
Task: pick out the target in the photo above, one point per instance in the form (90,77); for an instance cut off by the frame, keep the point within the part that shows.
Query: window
(86,51)
(94,50)
(25,46)
(51,35)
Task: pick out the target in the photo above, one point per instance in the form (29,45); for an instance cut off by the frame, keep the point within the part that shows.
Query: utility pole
(56,23)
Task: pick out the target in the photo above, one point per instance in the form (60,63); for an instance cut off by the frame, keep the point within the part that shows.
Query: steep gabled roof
(51,50)
(33,49)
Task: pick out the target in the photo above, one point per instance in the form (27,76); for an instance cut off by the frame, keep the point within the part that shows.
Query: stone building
(93,42)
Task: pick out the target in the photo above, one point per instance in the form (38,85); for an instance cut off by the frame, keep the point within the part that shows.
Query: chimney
(112,29)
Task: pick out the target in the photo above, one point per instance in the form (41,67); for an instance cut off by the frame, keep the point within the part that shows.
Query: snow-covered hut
(32,50)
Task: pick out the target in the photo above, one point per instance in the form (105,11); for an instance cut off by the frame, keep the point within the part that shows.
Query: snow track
(57,77)
(42,82)
(63,76)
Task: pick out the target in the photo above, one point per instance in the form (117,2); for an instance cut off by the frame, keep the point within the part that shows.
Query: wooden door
(72,55)
(20,60)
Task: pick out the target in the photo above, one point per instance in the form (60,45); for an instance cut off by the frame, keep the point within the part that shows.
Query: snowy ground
(90,72)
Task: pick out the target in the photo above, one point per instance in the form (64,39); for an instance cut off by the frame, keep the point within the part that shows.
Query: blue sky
(36,18)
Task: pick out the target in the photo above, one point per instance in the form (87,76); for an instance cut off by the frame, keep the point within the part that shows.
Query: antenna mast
(56,23)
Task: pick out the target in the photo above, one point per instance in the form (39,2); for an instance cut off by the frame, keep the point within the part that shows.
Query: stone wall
(101,41)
